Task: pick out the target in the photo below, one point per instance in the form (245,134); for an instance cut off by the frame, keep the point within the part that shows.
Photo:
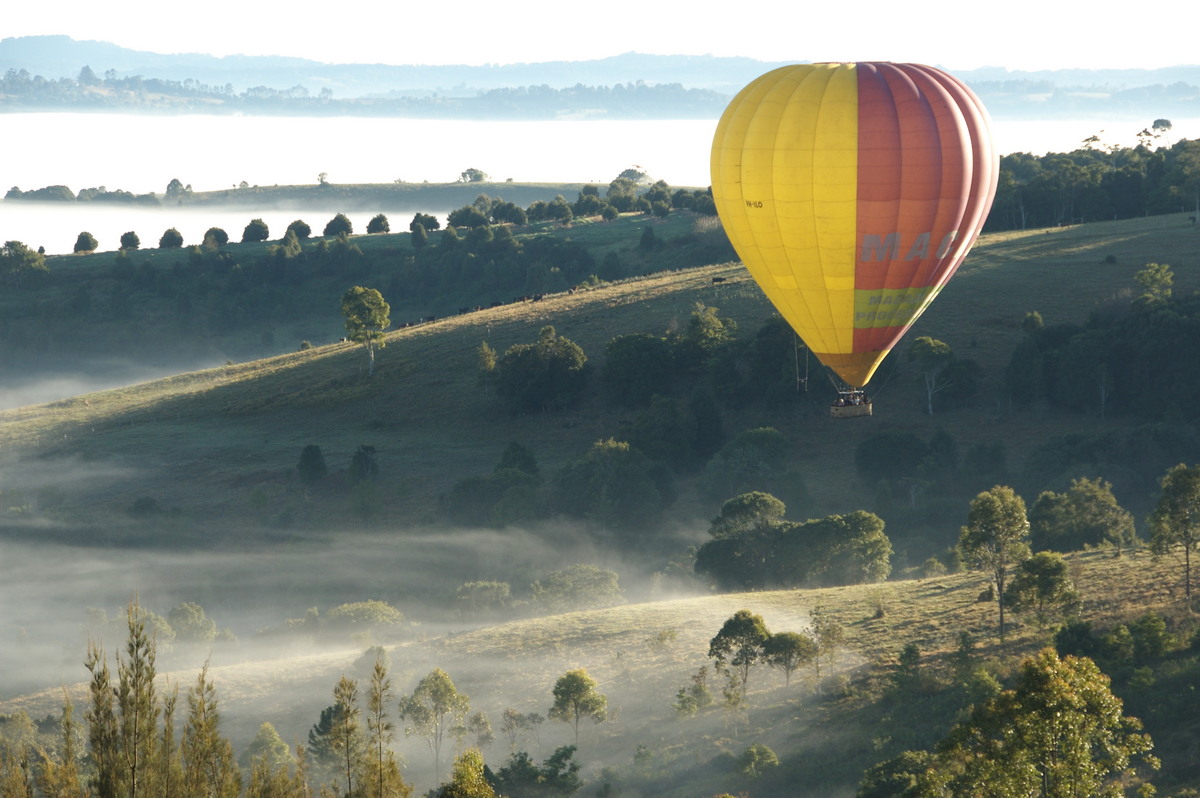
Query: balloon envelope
(852,192)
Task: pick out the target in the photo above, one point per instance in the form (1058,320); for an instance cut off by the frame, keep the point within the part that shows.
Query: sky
(1018,35)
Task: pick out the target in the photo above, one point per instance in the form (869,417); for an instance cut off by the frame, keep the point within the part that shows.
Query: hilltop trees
(366,315)
(85,243)
(340,224)
(171,239)
(256,230)
(19,264)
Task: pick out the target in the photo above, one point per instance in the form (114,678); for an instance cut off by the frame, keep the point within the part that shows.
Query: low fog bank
(25,389)
(58,596)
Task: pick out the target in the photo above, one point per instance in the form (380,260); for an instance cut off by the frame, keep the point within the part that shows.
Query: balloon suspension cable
(796,355)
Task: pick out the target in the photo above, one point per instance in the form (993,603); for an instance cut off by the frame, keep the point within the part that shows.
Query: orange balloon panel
(852,192)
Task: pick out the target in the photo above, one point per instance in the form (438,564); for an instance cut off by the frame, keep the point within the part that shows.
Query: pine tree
(383,772)
(170,767)
(138,708)
(209,768)
(346,735)
(102,726)
(59,776)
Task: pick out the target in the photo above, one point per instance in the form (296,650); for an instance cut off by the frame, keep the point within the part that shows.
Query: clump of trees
(1058,731)
(753,547)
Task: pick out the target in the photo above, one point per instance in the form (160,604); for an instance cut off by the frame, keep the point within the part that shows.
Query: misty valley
(576,519)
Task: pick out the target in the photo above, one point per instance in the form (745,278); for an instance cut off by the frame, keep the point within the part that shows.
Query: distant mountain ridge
(1150,93)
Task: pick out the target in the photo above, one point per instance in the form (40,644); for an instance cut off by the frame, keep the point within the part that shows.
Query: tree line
(1097,183)
(20,89)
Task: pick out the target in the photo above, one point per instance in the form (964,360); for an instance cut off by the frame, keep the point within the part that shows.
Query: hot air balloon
(852,192)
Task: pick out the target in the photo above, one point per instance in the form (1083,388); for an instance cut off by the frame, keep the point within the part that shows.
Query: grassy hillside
(208,442)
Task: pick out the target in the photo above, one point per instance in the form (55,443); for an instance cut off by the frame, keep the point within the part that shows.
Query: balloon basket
(851,404)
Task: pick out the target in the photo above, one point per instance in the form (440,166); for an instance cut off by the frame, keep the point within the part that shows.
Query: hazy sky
(1020,34)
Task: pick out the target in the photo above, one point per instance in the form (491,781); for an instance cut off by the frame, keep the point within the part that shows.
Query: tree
(1175,522)
(257,230)
(932,358)
(101,718)
(614,485)
(1058,733)
(267,746)
(191,623)
(420,238)
(171,239)
(363,466)
(130,240)
(378,224)
(215,237)
(636,367)
(434,708)
(473,175)
(467,216)
(546,375)
(1041,584)
(137,706)
(1156,280)
(366,316)
(209,767)
(300,228)
(995,538)
(577,587)
(18,263)
(338,225)
(312,468)
(345,736)
(789,651)
(749,511)
(1086,515)
(575,698)
(756,760)
(468,779)
(830,636)
(425,220)
(85,243)
(558,777)
(739,645)
(61,777)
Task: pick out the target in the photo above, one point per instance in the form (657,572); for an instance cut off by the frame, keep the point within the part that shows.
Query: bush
(86,243)
(130,240)
(338,225)
(215,237)
(379,224)
(257,230)
(171,239)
